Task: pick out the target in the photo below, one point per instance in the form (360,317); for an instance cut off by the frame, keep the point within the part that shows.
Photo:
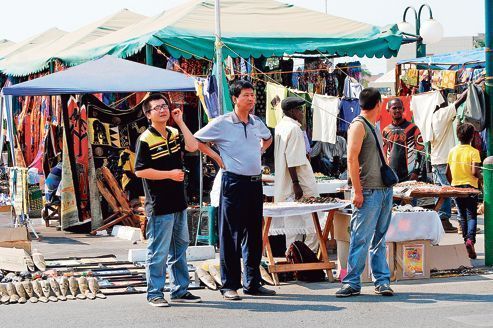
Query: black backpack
(298,252)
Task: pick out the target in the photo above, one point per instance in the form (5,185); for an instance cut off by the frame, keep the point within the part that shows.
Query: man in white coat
(294,176)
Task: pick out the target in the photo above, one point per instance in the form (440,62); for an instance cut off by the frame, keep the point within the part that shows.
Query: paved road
(453,302)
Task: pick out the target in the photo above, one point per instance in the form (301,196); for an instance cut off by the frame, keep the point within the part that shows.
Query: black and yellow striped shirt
(153,151)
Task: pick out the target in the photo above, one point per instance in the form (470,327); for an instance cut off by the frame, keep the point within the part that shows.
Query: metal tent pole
(488,163)
(219,58)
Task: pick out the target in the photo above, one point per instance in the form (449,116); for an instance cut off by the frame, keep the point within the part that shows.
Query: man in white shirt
(294,176)
(443,140)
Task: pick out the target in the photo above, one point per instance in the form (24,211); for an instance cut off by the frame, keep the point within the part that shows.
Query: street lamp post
(428,31)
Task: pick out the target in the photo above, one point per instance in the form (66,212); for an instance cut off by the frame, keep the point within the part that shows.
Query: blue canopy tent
(105,75)
(451,60)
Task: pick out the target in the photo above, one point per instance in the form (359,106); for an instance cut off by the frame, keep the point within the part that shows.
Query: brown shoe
(448,227)
(231,295)
(470,249)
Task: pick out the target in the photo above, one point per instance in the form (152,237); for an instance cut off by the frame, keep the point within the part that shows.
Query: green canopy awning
(249,28)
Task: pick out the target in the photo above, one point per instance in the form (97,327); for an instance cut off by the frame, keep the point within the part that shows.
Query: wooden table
(440,193)
(293,208)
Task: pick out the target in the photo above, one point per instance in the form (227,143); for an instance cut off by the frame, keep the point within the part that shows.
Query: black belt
(244,177)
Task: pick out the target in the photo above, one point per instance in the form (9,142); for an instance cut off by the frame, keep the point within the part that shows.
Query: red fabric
(386,119)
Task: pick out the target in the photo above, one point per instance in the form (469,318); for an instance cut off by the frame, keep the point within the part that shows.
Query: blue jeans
(369,225)
(167,245)
(467,207)
(440,178)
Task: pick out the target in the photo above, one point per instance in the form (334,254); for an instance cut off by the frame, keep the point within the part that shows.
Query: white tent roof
(47,36)
(37,58)
(388,77)
(4,44)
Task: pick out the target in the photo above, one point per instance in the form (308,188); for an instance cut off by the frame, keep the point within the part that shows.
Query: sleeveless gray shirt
(369,160)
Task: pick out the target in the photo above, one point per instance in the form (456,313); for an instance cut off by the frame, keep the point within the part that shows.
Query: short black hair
(239,85)
(395,99)
(465,132)
(369,98)
(146,105)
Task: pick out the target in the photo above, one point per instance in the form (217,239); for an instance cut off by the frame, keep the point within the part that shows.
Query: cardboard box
(342,226)
(366,276)
(12,259)
(15,238)
(412,260)
(448,257)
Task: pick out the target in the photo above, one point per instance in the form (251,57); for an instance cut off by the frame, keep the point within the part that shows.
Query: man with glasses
(294,176)
(403,144)
(159,163)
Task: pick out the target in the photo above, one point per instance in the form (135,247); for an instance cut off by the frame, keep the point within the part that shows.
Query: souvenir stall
(106,75)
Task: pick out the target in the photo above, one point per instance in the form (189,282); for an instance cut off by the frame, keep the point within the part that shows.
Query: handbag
(389,177)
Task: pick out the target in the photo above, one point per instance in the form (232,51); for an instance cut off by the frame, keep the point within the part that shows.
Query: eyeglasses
(159,107)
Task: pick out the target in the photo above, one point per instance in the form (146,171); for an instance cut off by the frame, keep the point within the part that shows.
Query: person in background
(443,141)
(332,157)
(294,176)
(371,200)
(158,161)
(464,171)
(403,144)
(52,184)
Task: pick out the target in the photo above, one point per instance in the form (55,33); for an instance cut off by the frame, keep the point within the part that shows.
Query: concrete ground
(438,302)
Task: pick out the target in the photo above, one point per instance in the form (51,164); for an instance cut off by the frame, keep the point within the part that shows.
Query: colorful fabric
(275,95)
(69,207)
(448,79)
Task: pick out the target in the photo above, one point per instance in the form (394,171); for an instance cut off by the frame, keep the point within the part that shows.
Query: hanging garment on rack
(275,94)
(352,88)
(325,111)
(448,80)
(331,84)
(422,106)
(348,110)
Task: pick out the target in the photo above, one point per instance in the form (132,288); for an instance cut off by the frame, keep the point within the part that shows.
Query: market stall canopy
(45,37)
(108,74)
(250,28)
(38,58)
(457,58)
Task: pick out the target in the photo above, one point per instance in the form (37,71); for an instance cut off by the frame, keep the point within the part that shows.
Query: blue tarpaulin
(107,74)
(457,58)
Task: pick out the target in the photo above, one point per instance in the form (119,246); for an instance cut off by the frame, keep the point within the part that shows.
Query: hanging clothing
(352,88)
(448,80)
(423,105)
(348,110)
(275,94)
(325,111)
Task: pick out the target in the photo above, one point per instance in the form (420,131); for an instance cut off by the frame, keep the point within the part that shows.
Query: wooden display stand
(122,211)
(275,268)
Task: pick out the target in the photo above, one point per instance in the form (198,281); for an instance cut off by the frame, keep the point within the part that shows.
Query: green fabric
(182,43)
(227,103)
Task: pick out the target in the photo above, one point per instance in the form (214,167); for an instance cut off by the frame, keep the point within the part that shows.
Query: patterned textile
(69,207)
(78,129)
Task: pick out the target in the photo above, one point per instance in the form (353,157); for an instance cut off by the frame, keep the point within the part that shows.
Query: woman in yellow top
(463,171)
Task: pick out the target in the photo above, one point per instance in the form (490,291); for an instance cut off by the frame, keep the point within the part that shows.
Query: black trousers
(240,231)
